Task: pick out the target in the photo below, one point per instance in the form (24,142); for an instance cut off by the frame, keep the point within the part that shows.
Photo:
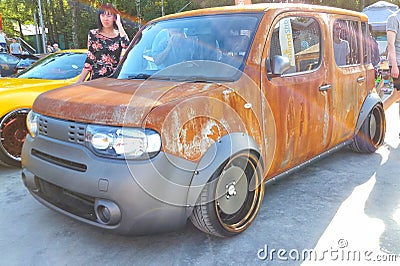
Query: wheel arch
(214,158)
(370,101)
(11,101)
(8,158)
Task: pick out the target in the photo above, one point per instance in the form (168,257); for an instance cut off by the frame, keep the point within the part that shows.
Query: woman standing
(105,44)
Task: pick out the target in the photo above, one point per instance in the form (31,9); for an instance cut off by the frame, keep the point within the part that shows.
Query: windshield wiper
(204,79)
(147,76)
(200,79)
(139,76)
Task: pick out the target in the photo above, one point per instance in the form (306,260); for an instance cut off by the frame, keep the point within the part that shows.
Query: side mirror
(279,65)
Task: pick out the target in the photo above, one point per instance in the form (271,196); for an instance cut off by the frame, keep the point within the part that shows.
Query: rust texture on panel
(290,121)
(189,126)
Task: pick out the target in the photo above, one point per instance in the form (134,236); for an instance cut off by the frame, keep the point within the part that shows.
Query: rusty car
(205,107)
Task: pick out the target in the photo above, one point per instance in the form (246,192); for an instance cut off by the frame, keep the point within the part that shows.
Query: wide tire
(232,198)
(372,132)
(13,132)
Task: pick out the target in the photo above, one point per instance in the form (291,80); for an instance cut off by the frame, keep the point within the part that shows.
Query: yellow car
(18,93)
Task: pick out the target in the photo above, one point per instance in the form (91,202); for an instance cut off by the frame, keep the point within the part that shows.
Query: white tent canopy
(378,13)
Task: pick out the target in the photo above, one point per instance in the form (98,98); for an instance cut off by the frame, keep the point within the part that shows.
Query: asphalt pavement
(342,210)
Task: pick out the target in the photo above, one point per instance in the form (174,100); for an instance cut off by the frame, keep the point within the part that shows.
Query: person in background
(105,44)
(3,42)
(341,47)
(49,48)
(15,48)
(170,47)
(55,47)
(393,42)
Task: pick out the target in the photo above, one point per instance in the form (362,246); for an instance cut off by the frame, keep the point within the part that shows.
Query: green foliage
(16,13)
(63,18)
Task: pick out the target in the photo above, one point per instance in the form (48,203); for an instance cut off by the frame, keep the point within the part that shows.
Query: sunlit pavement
(366,227)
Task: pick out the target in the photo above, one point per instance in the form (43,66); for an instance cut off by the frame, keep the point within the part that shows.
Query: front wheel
(232,198)
(13,132)
(372,132)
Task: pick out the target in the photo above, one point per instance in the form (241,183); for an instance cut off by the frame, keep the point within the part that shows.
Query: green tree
(68,21)
(15,14)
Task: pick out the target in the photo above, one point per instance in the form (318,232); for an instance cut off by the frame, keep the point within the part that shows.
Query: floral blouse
(103,53)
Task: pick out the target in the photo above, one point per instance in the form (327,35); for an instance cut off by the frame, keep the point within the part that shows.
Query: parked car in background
(8,64)
(24,63)
(17,94)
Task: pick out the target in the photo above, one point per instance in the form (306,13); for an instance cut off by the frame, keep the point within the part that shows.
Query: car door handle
(361,79)
(325,87)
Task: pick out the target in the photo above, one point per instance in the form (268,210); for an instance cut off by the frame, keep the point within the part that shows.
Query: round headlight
(123,143)
(130,142)
(101,141)
(32,123)
(153,142)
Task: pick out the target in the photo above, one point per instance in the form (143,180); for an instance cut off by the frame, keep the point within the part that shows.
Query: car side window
(370,45)
(367,52)
(299,39)
(346,42)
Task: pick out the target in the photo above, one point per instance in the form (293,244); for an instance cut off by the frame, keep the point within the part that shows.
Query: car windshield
(8,59)
(55,66)
(201,48)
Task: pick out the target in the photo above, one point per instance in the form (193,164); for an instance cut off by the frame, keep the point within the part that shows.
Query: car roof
(263,7)
(7,54)
(80,51)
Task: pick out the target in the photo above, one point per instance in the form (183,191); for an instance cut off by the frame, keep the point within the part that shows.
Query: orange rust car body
(308,121)
(283,109)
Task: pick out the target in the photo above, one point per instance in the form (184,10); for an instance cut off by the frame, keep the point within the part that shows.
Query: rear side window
(370,45)
(346,42)
(299,39)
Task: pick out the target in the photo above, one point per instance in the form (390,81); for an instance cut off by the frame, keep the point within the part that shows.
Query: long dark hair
(106,8)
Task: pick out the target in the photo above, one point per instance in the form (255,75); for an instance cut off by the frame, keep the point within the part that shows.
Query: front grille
(76,133)
(43,122)
(72,202)
(64,130)
(58,161)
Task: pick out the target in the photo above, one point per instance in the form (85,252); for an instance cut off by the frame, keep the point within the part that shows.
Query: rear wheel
(372,132)
(232,198)
(13,132)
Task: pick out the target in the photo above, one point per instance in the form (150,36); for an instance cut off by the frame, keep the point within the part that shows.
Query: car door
(349,79)
(301,98)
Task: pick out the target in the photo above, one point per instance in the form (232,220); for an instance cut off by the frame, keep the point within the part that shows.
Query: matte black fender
(214,158)
(370,101)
